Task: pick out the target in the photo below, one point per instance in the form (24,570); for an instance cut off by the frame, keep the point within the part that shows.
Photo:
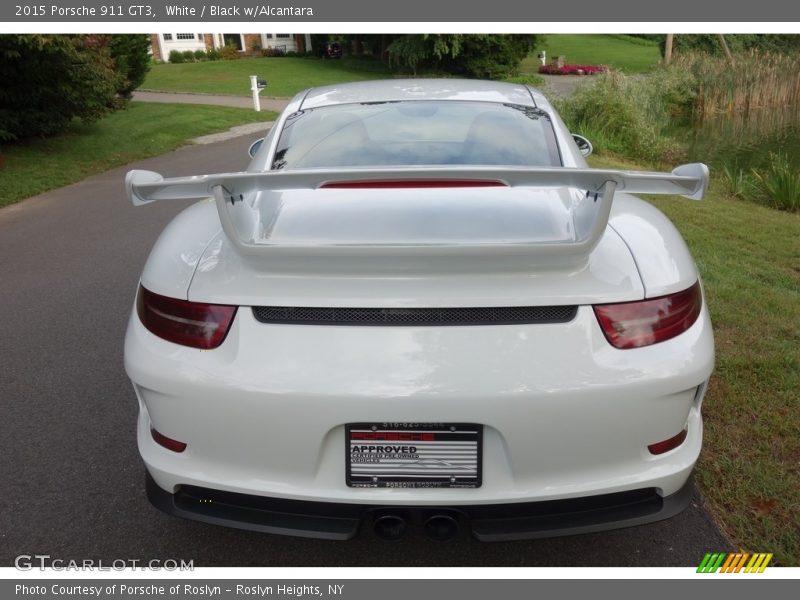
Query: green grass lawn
(749,471)
(285,76)
(622,52)
(144,129)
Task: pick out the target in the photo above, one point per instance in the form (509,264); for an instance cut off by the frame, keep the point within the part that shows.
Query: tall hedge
(131,54)
(48,80)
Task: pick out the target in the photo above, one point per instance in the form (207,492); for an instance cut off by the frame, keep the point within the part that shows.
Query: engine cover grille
(511,315)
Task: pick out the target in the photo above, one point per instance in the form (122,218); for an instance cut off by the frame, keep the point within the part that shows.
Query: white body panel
(264,413)
(564,413)
(223,277)
(175,255)
(661,255)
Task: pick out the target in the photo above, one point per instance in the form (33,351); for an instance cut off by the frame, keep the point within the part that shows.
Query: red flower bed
(571,69)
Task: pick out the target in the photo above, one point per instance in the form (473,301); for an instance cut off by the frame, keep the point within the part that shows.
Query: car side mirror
(584,145)
(254,147)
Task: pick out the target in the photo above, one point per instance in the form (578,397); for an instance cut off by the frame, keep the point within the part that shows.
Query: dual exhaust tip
(438,527)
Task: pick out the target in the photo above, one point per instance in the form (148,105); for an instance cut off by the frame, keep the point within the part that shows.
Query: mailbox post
(256,85)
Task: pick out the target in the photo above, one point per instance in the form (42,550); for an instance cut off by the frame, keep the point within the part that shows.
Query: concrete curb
(240,130)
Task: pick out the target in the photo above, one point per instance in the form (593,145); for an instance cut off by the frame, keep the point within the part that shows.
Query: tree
(712,43)
(131,54)
(48,80)
(487,56)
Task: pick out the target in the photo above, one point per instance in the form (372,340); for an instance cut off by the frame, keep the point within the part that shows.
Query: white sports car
(419,307)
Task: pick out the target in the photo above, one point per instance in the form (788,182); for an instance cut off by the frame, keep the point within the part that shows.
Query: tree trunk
(725,48)
(668,49)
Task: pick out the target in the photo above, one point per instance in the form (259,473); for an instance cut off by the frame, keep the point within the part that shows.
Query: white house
(164,43)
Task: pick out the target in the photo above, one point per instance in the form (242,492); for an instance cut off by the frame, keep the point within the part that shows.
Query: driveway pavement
(563,85)
(72,480)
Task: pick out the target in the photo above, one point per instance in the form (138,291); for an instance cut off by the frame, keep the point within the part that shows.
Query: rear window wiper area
(532,112)
(279,162)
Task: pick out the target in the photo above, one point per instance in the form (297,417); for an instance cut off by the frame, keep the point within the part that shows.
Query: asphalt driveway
(72,481)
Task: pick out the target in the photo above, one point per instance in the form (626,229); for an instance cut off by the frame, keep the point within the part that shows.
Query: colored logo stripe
(758,563)
(734,562)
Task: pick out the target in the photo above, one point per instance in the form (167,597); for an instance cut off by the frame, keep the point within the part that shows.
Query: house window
(167,37)
(268,36)
(184,36)
(283,35)
(234,39)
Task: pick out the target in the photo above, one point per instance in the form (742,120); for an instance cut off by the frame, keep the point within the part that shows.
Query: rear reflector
(168,443)
(641,323)
(667,445)
(414,183)
(194,324)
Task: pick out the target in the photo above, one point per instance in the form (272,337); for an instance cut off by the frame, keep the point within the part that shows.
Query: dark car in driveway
(330,50)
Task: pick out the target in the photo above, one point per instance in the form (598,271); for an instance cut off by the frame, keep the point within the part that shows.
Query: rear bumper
(265,414)
(487,522)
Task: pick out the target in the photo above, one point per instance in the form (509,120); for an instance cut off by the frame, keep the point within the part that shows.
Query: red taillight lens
(187,323)
(636,324)
(667,445)
(168,443)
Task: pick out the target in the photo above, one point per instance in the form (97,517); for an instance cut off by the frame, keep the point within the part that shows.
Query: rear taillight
(167,442)
(194,324)
(636,324)
(670,444)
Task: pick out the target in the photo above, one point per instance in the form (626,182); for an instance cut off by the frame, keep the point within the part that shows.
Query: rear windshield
(417,133)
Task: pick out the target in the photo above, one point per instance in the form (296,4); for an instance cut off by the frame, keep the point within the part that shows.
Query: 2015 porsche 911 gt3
(419,307)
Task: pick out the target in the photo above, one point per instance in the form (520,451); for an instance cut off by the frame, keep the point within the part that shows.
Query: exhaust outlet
(390,527)
(441,528)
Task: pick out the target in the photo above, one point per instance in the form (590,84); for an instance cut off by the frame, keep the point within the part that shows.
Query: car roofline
(395,90)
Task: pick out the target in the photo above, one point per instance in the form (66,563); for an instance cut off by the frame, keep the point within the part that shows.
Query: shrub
(486,56)
(188,56)
(229,52)
(48,80)
(200,55)
(212,54)
(131,59)
(739,183)
(571,69)
(176,57)
(779,184)
(492,56)
(628,115)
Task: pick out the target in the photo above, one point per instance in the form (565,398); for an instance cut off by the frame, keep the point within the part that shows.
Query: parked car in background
(418,306)
(330,50)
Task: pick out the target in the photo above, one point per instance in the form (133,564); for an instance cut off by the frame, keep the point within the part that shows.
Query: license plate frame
(414,455)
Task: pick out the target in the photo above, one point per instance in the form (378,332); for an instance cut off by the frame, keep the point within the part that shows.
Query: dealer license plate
(413,455)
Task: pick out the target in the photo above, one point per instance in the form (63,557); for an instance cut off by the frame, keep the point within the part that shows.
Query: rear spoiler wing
(231,192)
